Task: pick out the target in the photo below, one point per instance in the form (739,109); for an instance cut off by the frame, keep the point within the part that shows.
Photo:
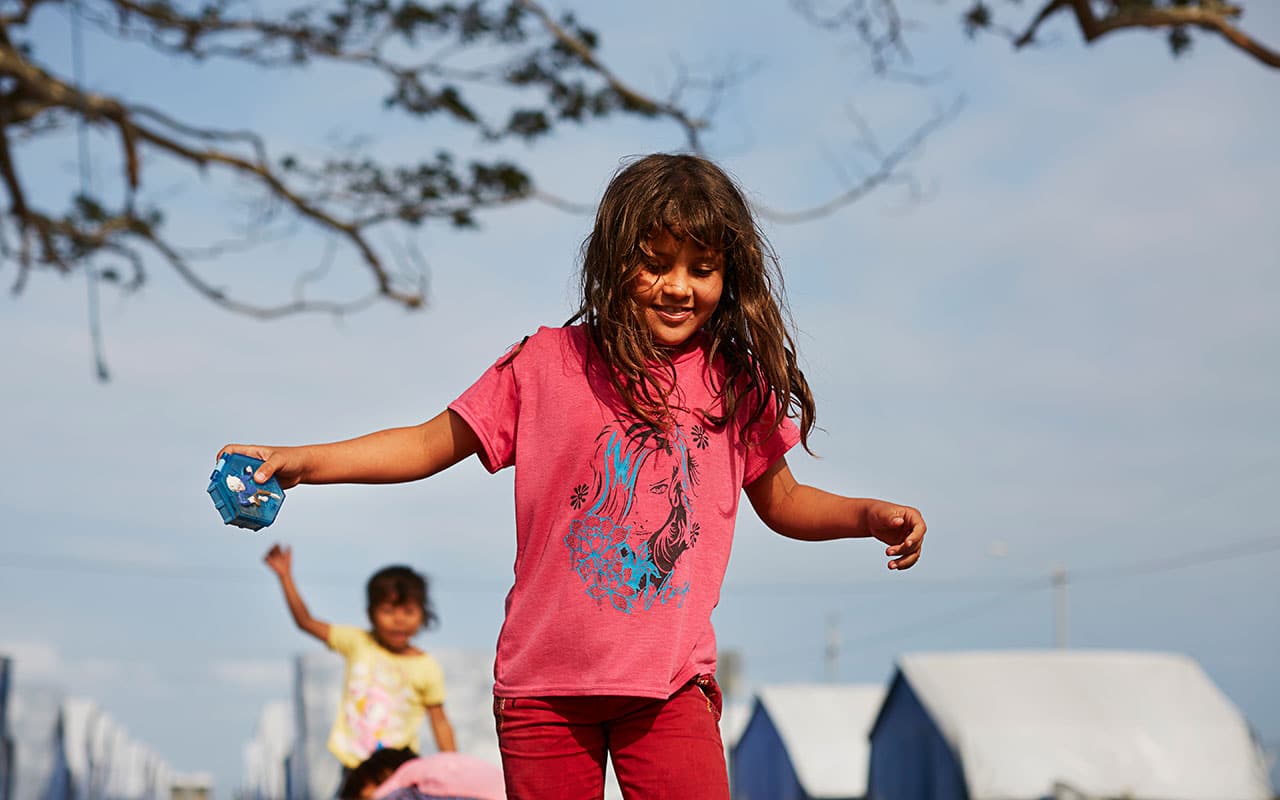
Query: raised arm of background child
(441,728)
(394,455)
(802,512)
(280,560)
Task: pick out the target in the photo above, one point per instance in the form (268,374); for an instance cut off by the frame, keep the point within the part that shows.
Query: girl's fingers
(907,546)
(909,557)
(906,562)
(908,551)
(915,538)
(265,471)
(275,463)
(243,449)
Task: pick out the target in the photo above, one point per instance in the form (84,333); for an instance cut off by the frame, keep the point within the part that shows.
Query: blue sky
(1064,354)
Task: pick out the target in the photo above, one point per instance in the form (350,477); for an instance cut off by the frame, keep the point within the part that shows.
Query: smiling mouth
(673,314)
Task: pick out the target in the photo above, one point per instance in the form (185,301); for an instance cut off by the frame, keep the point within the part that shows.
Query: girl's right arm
(394,455)
(280,560)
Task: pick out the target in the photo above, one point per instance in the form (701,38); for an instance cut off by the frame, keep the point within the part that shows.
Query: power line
(1239,549)
(1219,552)
(1251,547)
(948,618)
(121,568)
(126,568)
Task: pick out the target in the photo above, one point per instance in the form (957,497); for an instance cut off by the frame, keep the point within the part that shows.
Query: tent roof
(825,729)
(1127,724)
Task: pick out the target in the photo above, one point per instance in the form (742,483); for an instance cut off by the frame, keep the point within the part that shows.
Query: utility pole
(832,653)
(1059,582)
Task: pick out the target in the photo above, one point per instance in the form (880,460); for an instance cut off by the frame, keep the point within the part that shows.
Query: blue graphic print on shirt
(630,563)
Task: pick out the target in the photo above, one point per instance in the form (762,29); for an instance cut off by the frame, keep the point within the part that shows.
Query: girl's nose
(676,283)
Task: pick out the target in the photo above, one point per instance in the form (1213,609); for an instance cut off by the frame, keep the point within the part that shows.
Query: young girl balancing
(633,431)
(389,685)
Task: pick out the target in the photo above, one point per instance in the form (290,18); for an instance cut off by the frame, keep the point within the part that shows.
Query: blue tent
(6,742)
(910,759)
(805,742)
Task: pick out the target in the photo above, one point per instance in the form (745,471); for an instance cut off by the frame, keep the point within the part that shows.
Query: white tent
(264,755)
(104,762)
(38,770)
(1026,724)
(806,741)
(69,749)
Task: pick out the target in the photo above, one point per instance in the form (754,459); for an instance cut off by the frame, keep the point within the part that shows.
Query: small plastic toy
(239,500)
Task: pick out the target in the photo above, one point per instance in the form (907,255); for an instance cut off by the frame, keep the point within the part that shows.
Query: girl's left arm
(441,729)
(798,511)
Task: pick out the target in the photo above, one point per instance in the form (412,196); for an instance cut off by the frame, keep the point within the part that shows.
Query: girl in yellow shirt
(389,685)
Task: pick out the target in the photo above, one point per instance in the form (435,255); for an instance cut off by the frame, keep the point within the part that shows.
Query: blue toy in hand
(242,502)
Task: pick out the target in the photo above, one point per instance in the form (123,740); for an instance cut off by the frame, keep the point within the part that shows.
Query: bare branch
(887,171)
(218,296)
(1029,35)
(567,206)
(878,27)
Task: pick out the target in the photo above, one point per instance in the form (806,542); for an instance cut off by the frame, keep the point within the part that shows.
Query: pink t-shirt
(622,532)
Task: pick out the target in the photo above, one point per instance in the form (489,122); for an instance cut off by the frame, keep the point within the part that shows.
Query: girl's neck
(407,650)
(686,348)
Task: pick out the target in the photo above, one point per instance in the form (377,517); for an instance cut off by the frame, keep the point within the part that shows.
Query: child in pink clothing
(403,775)
(634,431)
(451,775)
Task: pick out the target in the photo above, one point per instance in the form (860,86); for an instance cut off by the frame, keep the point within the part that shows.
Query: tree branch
(632,98)
(1210,15)
(46,91)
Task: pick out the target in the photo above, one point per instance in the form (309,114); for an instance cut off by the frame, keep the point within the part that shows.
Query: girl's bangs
(697,218)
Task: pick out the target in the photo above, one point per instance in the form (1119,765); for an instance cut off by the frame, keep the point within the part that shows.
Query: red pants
(554,747)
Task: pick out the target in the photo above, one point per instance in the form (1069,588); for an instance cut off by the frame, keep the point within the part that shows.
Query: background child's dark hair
(375,769)
(399,584)
(690,196)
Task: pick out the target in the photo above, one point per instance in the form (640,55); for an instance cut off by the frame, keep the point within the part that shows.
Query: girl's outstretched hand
(900,527)
(280,560)
(286,464)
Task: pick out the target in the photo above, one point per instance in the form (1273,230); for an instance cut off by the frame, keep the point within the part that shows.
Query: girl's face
(394,624)
(679,287)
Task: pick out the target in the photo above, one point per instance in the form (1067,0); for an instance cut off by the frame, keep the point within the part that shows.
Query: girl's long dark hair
(751,327)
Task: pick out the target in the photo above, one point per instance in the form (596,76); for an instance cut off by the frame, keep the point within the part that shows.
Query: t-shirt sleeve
(491,407)
(429,682)
(344,639)
(764,446)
